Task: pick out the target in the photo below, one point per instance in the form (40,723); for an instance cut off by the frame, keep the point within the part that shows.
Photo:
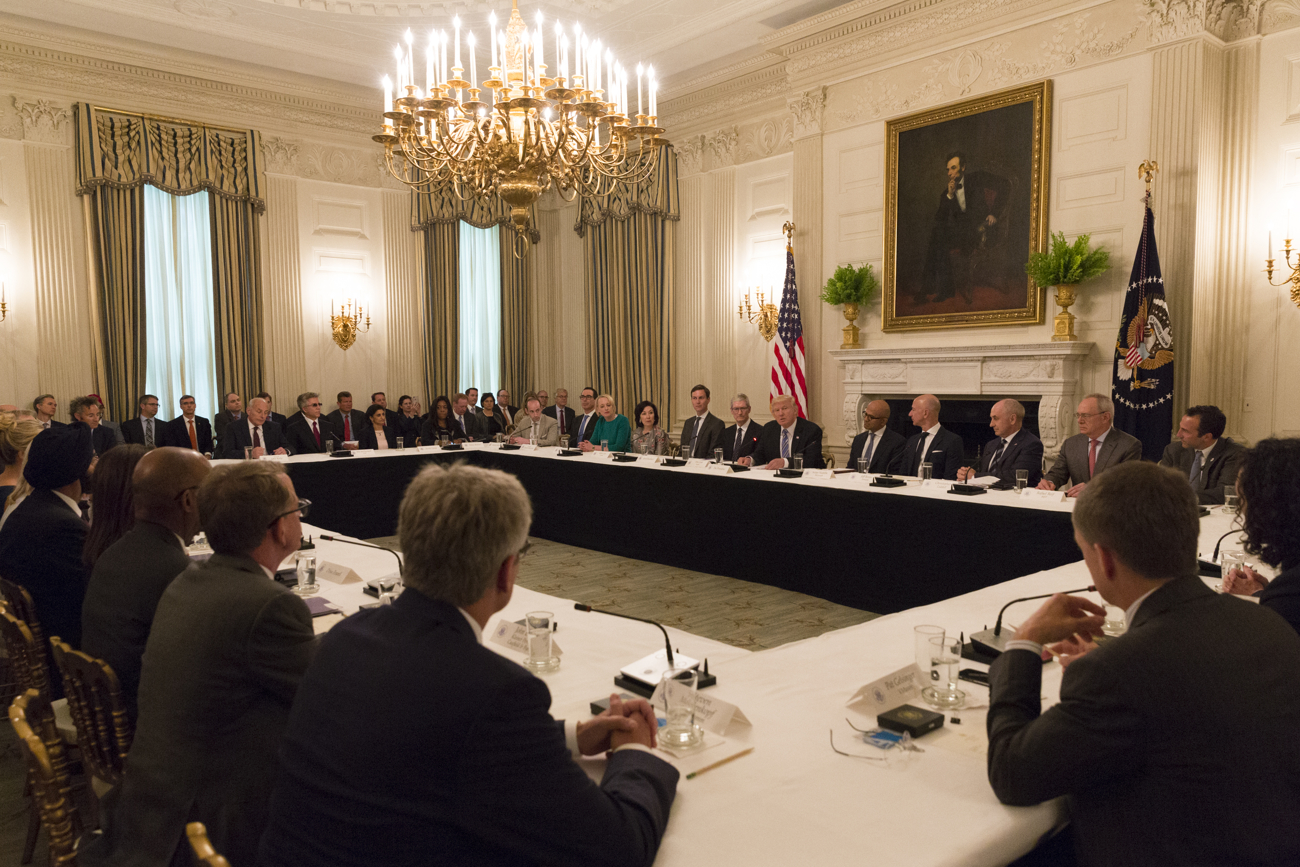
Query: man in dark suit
(190,431)
(85,411)
(1141,740)
(504,407)
(1012,449)
(787,436)
(584,423)
(45,407)
(225,653)
(348,423)
(130,576)
(1097,446)
(271,413)
(232,411)
(561,412)
(967,220)
(1210,460)
(255,430)
(41,542)
(935,445)
(702,433)
(309,434)
(470,761)
(740,439)
(470,423)
(882,447)
(147,430)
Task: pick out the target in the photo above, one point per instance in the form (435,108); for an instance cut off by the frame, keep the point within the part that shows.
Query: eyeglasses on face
(304,506)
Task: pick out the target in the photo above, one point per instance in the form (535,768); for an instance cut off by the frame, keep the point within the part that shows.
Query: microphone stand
(330,538)
(991,642)
(637,686)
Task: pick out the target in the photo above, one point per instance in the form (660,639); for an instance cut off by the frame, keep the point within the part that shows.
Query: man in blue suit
(256,430)
(935,445)
(410,743)
(1012,448)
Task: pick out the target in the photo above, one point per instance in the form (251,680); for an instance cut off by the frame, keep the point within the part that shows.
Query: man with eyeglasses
(147,429)
(1097,446)
(883,448)
(226,651)
(308,433)
(469,755)
(740,439)
(130,576)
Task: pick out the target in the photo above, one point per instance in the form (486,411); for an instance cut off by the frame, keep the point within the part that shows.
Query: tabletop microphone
(644,685)
(992,642)
(330,538)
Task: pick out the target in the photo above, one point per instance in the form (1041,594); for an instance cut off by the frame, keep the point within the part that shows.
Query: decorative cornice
(690,155)
(1229,20)
(806,112)
(768,138)
(44,121)
(714,103)
(281,155)
(722,147)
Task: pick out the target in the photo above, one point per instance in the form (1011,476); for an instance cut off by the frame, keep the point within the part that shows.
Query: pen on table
(693,774)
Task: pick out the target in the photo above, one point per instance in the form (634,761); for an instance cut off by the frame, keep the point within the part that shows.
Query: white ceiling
(351,40)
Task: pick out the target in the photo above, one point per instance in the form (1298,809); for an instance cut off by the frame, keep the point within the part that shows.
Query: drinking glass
(401,443)
(1115,623)
(329,446)
(1022,479)
(717,456)
(564,441)
(945,663)
(540,625)
(927,471)
(863,463)
(306,585)
(923,634)
(1230,501)
(443,439)
(604,445)
(248,452)
(796,462)
(1228,561)
(679,688)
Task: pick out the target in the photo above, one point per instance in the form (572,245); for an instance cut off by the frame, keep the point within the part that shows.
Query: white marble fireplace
(1046,372)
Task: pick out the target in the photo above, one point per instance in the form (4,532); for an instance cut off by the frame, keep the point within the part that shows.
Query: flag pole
(788,229)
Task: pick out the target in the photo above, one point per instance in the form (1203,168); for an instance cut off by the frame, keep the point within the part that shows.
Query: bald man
(130,576)
(935,445)
(1012,448)
(883,448)
(255,430)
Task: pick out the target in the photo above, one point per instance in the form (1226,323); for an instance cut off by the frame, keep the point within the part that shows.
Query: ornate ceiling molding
(806,111)
(1229,20)
(43,121)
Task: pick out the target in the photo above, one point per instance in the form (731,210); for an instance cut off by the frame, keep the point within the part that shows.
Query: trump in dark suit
(1013,448)
(786,436)
(882,447)
(470,768)
(1137,742)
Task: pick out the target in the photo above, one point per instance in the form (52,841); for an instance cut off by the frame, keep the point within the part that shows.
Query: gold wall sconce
(347,323)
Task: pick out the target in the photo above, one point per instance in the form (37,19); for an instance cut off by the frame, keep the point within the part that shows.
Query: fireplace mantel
(1047,372)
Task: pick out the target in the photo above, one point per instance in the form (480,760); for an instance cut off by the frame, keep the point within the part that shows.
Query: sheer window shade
(480,309)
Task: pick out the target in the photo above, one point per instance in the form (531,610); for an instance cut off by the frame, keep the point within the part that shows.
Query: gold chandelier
(518,132)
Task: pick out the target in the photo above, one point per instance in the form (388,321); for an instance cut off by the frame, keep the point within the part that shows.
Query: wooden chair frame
(202,847)
(94,697)
(34,671)
(47,766)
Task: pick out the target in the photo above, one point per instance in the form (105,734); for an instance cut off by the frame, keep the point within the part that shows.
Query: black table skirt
(875,551)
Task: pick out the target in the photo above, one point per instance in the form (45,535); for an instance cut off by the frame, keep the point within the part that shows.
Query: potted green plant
(851,287)
(1062,267)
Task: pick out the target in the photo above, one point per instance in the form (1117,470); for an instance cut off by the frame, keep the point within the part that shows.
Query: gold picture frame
(962,264)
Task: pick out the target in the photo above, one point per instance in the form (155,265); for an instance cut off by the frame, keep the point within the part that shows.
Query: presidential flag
(787,365)
(1143,386)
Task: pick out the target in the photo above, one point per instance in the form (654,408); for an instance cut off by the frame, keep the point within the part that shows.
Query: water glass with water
(306,585)
(717,456)
(678,690)
(564,441)
(1022,479)
(796,462)
(945,664)
(922,636)
(541,654)
(927,471)
(604,445)
(1228,561)
(863,464)
(1230,501)
(1115,623)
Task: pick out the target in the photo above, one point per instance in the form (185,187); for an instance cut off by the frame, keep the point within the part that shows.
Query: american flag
(787,365)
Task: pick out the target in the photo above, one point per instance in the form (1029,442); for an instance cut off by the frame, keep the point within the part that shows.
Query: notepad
(320,606)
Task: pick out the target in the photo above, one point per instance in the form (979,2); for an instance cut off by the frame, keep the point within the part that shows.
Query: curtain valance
(656,195)
(443,206)
(124,150)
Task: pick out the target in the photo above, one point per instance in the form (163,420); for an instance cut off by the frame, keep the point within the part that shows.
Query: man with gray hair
(1096,447)
(469,760)
(1013,448)
(308,433)
(1176,741)
(225,653)
(740,439)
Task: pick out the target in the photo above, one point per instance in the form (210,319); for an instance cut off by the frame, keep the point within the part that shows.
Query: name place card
(819,474)
(336,573)
(890,691)
(719,469)
(515,636)
(1043,496)
(711,713)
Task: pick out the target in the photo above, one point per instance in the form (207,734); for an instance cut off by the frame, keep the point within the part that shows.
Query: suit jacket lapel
(1171,595)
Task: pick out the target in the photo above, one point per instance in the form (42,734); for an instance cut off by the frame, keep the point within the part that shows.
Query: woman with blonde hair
(16,434)
(611,428)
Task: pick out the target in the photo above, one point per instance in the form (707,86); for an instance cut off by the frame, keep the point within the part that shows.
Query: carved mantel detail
(1047,372)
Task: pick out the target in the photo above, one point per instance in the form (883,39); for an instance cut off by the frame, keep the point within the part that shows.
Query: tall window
(480,308)
(181,358)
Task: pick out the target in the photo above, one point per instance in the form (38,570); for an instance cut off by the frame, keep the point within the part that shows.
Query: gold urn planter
(850,330)
(1063,323)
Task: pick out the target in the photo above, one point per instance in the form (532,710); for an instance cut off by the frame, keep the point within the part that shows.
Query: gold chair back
(33,720)
(26,653)
(94,696)
(202,847)
(21,606)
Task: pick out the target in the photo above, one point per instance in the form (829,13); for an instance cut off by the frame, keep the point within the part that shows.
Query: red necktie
(1092,458)
(347,426)
(194,440)
(257,437)
(315,430)
(559,414)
